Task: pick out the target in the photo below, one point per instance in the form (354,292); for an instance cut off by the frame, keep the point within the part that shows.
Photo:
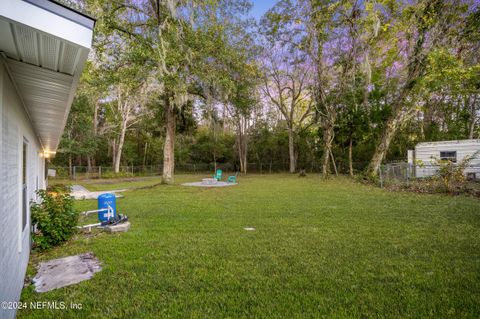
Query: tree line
(336,85)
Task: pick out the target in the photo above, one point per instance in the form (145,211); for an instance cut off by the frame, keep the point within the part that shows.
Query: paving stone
(58,273)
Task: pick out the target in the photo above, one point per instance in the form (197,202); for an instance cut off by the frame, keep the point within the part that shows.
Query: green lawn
(320,249)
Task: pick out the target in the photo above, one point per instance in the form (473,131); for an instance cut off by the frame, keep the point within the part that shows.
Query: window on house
(45,167)
(24,185)
(449,156)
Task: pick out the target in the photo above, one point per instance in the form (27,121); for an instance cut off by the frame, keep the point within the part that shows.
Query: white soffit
(44,54)
(51,18)
(45,95)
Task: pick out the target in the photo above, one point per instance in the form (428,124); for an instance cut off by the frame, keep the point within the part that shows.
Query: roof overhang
(452,142)
(44,46)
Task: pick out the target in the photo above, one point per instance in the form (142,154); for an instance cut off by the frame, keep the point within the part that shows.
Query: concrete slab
(80,192)
(58,273)
(217,184)
(123,227)
(79,188)
(209,181)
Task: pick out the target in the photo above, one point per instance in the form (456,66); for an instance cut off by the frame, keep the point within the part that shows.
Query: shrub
(54,218)
(453,176)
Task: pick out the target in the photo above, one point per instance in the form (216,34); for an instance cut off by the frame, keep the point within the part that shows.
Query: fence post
(408,174)
(381,176)
(74,173)
(99,172)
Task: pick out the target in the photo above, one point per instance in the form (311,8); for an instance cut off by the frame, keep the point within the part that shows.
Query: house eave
(44,60)
(452,142)
(65,12)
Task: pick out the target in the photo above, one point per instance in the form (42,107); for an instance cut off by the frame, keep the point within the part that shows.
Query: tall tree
(242,101)
(418,30)
(178,37)
(287,84)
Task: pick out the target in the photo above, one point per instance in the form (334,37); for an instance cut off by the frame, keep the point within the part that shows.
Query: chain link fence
(97,172)
(404,173)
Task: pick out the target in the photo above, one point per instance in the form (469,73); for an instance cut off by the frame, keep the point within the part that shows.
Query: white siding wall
(15,242)
(428,152)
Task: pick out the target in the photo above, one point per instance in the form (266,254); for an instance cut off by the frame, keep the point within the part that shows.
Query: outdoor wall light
(47,154)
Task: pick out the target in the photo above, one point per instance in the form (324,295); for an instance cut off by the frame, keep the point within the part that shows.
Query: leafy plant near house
(54,218)
(452,175)
(450,178)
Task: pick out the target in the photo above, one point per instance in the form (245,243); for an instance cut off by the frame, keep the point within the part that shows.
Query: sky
(261,6)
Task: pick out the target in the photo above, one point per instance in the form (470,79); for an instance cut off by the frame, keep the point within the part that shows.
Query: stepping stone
(58,273)
(249,228)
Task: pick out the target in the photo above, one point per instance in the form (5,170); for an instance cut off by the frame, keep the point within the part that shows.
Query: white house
(43,48)
(425,156)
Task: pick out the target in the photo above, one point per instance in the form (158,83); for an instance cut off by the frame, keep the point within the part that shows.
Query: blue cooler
(104,201)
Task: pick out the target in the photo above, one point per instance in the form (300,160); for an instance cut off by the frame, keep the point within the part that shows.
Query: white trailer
(425,157)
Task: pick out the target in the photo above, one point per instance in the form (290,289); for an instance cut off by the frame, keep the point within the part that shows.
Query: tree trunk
(95,129)
(70,166)
(327,146)
(114,151)
(333,163)
(145,155)
(400,114)
(471,134)
(350,157)
(291,150)
(242,144)
(169,147)
(401,111)
(121,140)
(391,128)
(242,154)
(214,128)
(473,116)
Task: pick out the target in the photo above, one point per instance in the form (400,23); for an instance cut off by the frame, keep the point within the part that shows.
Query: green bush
(450,179)
(54,218)
(452,176)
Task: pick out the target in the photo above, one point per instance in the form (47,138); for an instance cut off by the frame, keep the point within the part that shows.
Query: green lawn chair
(233,178)
(218,175)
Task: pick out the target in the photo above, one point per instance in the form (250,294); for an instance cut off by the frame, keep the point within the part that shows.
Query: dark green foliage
(218,63)
(452,176)
(54,218)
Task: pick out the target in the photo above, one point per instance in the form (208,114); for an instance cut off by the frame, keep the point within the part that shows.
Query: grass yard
(320,249)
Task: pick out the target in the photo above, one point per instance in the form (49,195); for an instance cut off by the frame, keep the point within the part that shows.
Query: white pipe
(88,212)
(89,226)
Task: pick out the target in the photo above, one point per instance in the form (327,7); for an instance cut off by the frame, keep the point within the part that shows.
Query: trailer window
(449,156)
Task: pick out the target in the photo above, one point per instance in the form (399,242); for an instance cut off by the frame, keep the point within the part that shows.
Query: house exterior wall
(428,153)
(15,127)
